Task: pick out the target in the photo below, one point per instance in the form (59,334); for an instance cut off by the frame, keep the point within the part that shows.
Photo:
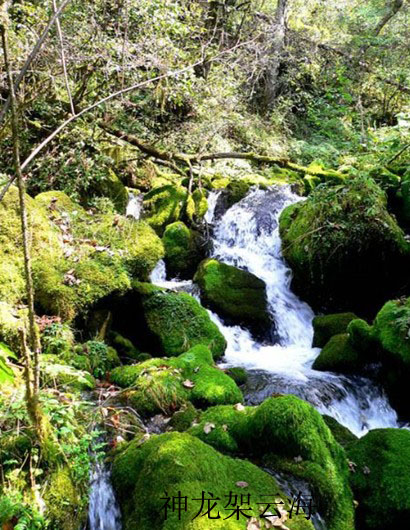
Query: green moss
(182,419)
(381,482)
(179,322)
(98,255)
(391,328)
(290,436)
(124,346)
(160,385)
(174,462)
(328,325)
(112,187)
(332,242)
(10,322)
(361,337)
(182,250)
(44,244)
(14,446)
(233,293)
(164,205)
(341,433)
(339,355)
(65,508)
(238,374)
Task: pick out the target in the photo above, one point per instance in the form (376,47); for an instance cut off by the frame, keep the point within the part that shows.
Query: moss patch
(346,251)
(234,293)
(339,356)
(381,482)
(183,250)
(328,325)
(179,322)
(164,385)
(174,462)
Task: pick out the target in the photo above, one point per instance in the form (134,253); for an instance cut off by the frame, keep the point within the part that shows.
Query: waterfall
(104,512)
(134,206)
(247,236)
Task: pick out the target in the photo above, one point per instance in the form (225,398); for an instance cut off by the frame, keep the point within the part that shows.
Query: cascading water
(134,206)
(247,236)
(104,512)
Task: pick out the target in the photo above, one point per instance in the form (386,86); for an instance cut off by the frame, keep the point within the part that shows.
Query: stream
(247,236)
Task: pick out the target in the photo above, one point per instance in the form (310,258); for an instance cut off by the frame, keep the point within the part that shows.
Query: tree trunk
(275,53)
(33,381)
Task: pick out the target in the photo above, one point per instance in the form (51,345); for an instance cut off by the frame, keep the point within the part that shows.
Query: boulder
(237,295)
(288,435)
(146,473)
(381,479)
(339,355)
(183,251)
(165,385)
(345,250)
(328,325)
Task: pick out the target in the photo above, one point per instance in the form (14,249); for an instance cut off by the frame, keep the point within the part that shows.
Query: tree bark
(276,53)
(393,8)
(34,339)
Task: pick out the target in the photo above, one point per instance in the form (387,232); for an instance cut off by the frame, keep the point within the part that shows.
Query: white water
(104,512)
(134,206)
(247,237)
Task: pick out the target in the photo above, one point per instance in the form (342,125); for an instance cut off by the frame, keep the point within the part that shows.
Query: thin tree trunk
(60,37)
(34,338)
(393,8)
(275,53)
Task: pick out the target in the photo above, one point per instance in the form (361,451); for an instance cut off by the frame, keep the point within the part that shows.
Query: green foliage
(6,372)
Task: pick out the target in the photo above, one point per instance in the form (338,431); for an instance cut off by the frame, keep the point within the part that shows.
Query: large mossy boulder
(172,464)
(183,251)
(235,294)
(290,436)
(325,326)
(345,250)
(78,258)
(339,355)
(165,385)
(381,480)
(176,322)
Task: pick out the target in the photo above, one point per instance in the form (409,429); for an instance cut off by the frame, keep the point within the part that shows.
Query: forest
(204,264)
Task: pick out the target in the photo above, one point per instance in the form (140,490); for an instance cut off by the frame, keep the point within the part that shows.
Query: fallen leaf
(224,428)
(298,459)
(253,524)
(239,407)
(188,384)
(366,470)
(208,427)
(242,484)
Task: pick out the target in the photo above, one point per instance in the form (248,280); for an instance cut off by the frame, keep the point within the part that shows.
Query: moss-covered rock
(341,433)
(10,321)
(328,325)
(124,346)
(361,337)
(290,436)
(183,250)
(99,255)
(164,205)
(392,329)
(65,509)
(381,481)
(346,251)
(235,294)
(238,374)
(182,419)
(111,186)
(178,322)
(339,355)
(144,475)
(165,385)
